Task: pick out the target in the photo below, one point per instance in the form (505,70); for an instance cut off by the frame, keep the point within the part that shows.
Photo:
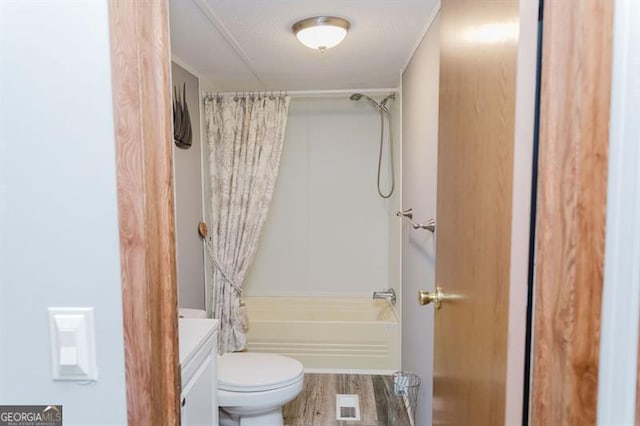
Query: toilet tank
(191,313)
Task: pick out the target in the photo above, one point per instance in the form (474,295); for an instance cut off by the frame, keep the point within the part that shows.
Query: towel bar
(407,215)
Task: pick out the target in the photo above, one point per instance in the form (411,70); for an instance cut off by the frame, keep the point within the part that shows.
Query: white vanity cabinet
(198,362)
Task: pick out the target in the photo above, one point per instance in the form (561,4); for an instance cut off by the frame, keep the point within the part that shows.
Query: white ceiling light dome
(321,32)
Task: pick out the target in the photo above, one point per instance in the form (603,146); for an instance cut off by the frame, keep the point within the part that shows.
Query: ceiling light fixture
(321,32)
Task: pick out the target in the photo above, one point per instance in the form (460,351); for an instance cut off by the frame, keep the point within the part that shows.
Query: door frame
(140,60)
(570,213)
(573,128)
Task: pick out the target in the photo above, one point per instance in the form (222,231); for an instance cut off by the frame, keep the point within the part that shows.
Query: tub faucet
(388,294)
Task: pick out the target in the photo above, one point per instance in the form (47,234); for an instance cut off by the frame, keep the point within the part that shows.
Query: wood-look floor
(316,404)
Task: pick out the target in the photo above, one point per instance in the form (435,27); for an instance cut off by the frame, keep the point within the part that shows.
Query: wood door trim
(574,136)
(141,102)
(638,387)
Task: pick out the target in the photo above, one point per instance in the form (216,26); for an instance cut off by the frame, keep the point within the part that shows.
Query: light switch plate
(73,349)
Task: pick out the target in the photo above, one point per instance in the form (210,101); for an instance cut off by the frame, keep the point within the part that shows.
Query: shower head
(382,108)
(358,96)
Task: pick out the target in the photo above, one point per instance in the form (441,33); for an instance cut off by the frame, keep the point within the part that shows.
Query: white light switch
(68,356)
(73,352)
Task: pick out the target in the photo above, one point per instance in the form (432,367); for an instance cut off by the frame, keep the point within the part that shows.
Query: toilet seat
(257,372)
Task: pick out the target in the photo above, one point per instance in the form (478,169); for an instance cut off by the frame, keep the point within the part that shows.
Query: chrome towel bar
(407,215)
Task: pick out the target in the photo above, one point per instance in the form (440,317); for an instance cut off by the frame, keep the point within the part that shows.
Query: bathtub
(327,334)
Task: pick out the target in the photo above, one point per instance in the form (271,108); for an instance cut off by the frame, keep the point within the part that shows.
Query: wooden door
(475,167)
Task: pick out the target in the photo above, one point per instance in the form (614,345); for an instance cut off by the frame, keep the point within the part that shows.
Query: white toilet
(253,387)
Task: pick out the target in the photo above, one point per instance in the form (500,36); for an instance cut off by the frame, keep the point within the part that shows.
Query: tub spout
(387,294)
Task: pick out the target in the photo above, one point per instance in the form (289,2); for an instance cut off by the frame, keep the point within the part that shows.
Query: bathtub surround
(394,204)
(328,233)
(188,196)
(244,137)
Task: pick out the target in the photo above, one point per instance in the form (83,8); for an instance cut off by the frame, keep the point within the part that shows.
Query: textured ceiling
(248,44)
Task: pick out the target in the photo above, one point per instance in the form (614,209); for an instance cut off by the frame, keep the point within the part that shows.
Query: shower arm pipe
(308,93)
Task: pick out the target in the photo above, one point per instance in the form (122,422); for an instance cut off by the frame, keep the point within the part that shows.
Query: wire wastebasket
(407,386)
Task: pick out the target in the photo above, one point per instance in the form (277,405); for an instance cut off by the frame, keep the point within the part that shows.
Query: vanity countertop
(192,335)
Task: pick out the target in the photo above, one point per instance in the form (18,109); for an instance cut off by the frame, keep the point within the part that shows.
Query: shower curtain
(244,135)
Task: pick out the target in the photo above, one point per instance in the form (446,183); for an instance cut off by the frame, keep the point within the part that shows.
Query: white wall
(621,294)
(59,211)
(420,92)
(521,204)
(327,230)
(188,194)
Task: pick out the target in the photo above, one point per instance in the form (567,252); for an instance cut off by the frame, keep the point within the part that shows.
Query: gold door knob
(426,297)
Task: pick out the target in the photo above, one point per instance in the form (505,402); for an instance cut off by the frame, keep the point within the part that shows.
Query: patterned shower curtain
(244,135)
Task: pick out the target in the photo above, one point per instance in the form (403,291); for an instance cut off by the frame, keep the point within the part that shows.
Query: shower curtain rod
(309,93)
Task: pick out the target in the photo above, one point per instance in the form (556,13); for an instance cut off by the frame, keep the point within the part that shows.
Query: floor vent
(347,407)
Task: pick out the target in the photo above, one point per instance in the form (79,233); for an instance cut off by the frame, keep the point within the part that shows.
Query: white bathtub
(327,334)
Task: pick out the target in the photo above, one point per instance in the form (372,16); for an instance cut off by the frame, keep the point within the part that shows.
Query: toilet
(253,387)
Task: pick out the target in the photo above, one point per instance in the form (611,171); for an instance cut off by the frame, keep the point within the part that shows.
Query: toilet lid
(254,372)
